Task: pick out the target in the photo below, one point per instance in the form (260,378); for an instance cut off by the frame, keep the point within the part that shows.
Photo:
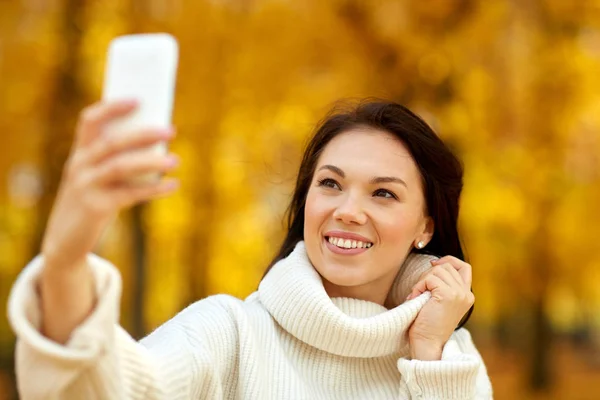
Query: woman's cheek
(314,209)
(315,215)
(396,227)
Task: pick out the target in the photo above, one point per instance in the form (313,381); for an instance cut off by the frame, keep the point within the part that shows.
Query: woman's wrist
(426,350)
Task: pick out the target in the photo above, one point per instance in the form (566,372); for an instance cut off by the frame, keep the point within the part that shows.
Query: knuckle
(122,199)
(446,259)
(81,181)
(104,170)
(89,114)
(106,149)
(470,298)
(73,174)
(75,161)
(117,168)
(110,143)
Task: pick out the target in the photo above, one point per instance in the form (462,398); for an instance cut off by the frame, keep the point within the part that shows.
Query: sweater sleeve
(459,375)
(100,359)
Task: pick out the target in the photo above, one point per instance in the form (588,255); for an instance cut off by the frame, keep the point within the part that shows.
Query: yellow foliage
(516,96)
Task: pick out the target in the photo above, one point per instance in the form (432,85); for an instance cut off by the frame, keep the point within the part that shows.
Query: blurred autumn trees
(511,85)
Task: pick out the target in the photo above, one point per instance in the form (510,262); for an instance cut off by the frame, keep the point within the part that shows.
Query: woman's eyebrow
(387,179)
(379,179)
(334,169)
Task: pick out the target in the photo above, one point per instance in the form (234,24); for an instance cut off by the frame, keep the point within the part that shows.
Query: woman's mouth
(346,246)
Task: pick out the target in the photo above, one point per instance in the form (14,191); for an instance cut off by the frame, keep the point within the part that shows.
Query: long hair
(441,173)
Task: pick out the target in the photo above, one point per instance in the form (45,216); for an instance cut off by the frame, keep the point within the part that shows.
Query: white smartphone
(142,67)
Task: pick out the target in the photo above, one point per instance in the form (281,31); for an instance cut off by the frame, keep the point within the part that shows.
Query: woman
(356,305)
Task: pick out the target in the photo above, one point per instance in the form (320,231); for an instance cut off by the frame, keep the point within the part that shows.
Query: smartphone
(142,67)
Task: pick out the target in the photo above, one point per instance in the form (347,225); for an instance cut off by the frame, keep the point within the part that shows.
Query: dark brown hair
(440,170)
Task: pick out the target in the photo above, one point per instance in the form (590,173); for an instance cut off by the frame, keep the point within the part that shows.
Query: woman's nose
(350,212)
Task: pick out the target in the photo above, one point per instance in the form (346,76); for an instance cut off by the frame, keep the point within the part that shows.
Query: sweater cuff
(454,377)
(87,340)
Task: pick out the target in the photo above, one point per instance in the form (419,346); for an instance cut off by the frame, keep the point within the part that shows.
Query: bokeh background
(512,85)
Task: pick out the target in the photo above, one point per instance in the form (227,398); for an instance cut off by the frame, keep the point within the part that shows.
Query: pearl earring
(421,244)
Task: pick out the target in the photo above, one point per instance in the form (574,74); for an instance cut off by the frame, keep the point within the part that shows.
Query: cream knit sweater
(288,340)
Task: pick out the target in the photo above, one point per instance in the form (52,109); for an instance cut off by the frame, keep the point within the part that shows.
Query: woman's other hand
(449,282)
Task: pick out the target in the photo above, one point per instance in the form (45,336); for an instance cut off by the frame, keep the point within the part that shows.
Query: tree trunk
(137,13)
(68,99)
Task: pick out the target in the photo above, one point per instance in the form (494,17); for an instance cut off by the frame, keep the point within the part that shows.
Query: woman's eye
(330,183)
(385,194)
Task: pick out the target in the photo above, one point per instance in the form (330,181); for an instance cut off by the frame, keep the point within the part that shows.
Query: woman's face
(366,194)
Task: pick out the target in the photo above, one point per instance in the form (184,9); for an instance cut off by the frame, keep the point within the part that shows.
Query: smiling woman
(437,174)
(368,199)
(379,170)
(355,305)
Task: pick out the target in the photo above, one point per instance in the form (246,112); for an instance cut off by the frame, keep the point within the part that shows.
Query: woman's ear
(427,230)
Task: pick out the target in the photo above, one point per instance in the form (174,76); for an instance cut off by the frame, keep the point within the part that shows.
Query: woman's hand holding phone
(117,161)
(95,186)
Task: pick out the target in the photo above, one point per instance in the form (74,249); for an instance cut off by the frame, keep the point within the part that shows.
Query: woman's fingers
(92,193)
(126,196)
(464,269)
(452,281)
(456,278)
(93,118)
(109,145)
(430,282)
(448,274)
(125,166)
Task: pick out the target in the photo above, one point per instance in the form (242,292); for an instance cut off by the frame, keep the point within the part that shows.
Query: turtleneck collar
(294,295)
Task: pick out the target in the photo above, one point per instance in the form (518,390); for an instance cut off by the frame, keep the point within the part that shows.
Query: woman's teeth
(349,244)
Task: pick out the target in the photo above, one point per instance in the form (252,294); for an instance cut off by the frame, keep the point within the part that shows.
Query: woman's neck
(375,292)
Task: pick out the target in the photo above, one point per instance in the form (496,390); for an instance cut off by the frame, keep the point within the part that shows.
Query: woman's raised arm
(94,188)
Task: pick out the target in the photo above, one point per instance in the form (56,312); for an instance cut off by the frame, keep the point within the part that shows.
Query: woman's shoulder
(228,302)
(223,318)
(222,310)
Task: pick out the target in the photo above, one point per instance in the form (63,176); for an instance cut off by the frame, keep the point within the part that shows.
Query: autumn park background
(512,85)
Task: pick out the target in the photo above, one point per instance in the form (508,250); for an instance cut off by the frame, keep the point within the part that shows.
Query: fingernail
(174,184)
(172,161)
(407,297)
